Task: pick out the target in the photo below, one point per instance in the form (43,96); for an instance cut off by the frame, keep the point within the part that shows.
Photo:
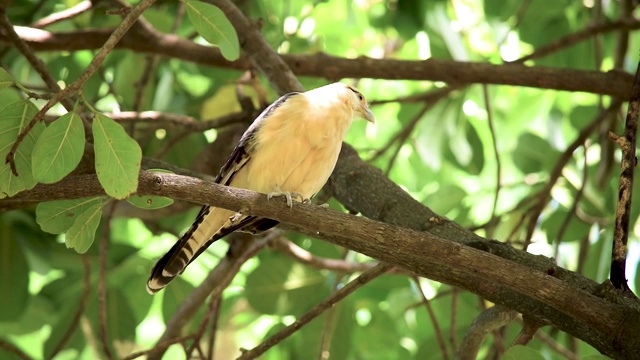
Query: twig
(76,85)
(65,14)
(102,282)
(430,99)
(315,311)
(627,143)
(328,327)
(40,68)
(567,220)
(494,140)
(305,257)
(434,320)
(529,328)
(492,318)
(453,326)
(73,325)
(214,304)
(184,121)
(556,346)
(625,24)
(418,98)
(211,348)
(165,344)
(556,172)
(9,347)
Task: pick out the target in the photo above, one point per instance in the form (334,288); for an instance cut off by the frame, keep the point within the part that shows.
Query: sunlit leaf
(14,118)
(118,157)
(57,217)
(83,231)
(59,149)
(213,26)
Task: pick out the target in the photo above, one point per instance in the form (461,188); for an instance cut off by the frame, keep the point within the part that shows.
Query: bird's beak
(367,114)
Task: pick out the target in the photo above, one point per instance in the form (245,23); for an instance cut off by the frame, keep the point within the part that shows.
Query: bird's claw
(237,216)
(288,195)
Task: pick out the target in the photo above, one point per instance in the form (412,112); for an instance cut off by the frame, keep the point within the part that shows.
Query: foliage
(480,155)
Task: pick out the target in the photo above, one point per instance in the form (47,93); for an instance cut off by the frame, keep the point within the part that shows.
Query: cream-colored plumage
(292,147)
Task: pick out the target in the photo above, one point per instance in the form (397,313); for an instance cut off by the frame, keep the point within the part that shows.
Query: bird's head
(348,96)
(359,104)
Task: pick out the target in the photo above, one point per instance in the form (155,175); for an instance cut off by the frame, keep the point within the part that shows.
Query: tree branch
(627,143)
(568,298)
(614,83)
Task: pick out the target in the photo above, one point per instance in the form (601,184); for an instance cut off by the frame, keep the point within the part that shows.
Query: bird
(289,150)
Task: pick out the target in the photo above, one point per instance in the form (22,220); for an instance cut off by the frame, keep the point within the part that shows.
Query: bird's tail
(206,229)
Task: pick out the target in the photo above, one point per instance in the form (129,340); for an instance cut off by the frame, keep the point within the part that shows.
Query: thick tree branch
(614,83)
(569,303)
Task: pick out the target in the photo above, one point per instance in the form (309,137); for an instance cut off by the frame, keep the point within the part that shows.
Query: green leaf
(5,79)
(532,153)
(278,286)
(83,231)
(14,276)
(15,117)
(150,202)
(56,217)
(211,23)
(118,157)
(520,352)
(59,149)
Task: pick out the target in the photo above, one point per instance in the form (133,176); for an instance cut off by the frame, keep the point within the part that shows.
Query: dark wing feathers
(173,260)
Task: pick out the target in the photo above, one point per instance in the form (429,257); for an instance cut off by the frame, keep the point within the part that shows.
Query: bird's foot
(325,205)
(288,195)
(238,216)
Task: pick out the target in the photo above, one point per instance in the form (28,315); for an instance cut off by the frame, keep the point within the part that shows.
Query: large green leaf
(14,118)
(278,286)
(532,153)
(83,231)
(14,276)
(213,26)
(118,157)
(57,217)
(59,149)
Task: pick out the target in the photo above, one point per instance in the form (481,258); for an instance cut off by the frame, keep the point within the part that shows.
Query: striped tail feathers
(206,229)
(210,225)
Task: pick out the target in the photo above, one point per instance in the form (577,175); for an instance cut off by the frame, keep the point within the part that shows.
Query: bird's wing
(215,222)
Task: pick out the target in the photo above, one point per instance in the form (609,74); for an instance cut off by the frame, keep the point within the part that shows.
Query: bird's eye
(360,97)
